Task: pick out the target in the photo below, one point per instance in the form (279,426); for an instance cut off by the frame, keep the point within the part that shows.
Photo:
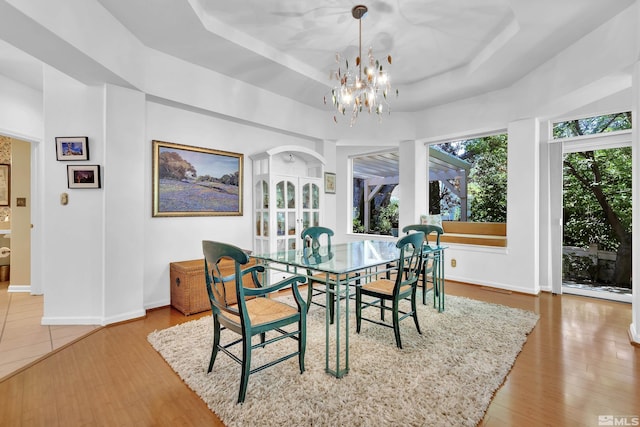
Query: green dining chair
(430,264)
(314,238)
(248,310)
(316,243)
(404,286)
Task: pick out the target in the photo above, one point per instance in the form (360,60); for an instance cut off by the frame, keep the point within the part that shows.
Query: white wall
(179,239)
(124,197)
(73,246)
(20,110)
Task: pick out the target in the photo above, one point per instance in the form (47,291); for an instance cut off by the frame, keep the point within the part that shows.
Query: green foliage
(608,172)
(386,218)
(487,187)
(487,180)
(597,191)
(597,185)
(592,125)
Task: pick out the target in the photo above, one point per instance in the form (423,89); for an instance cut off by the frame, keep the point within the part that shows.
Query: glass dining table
(345,264)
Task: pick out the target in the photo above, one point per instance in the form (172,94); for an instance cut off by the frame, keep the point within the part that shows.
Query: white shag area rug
(446,376)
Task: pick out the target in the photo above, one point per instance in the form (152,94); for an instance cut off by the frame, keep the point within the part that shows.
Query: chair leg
(302,341)
(441,300)
(436,287)
(415,312)
(358,310)
(246,368)
(396,324)
(382,310)
(424,284)
(216,343)
(309,293)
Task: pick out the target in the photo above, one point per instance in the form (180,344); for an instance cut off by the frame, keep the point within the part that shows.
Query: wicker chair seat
(261,311)
(384,286)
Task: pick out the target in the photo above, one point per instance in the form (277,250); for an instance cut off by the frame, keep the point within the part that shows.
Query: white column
(523,204)
(413,182)
(72,234)
(125,203)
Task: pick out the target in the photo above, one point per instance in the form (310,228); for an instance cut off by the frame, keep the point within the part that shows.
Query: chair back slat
(223,290)
(427,230)
(313,238)
(410,262)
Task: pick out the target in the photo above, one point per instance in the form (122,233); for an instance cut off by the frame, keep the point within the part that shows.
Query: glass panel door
(286,213)
(310,202)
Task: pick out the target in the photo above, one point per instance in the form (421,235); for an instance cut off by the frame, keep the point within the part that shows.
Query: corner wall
(72,251)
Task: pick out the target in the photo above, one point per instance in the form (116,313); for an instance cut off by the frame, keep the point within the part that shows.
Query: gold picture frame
(196,181)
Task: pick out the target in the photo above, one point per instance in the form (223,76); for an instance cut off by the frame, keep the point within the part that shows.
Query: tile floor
(22,338)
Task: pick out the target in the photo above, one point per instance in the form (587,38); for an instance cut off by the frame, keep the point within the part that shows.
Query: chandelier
(360,90)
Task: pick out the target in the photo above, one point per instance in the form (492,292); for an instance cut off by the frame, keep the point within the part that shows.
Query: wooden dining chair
(430,263)
(248,310)
(402,287)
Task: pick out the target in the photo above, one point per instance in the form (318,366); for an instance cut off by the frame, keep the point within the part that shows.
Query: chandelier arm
(360,47)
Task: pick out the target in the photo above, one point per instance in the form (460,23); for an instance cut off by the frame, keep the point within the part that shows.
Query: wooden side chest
(188,286)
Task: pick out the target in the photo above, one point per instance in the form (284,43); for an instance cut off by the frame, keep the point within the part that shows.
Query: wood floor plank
(576,364)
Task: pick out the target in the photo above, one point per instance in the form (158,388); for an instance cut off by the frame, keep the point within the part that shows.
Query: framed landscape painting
(194,181)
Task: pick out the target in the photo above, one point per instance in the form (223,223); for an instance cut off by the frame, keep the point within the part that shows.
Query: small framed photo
(330,182)
(83,176)
(72,148)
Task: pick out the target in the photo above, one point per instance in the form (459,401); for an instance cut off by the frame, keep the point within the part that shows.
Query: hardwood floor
(22,338)
(576,365)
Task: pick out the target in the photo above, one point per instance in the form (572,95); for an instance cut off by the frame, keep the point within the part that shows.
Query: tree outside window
(597,192)
(485,187)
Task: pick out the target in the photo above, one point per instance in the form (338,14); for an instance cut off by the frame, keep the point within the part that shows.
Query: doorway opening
(597,211)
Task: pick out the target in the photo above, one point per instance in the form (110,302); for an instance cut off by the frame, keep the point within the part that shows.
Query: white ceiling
(20,67)
(442,50)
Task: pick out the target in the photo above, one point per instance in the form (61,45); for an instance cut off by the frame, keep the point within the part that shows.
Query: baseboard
(494,285)
(19,288)
(48,320)
(136,314)
(500,291)
(157,304)
(634,338)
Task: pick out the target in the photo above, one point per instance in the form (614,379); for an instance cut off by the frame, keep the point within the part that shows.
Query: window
(592,125)
(468,179)
(376,199)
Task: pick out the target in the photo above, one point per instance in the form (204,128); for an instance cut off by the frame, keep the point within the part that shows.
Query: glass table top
(341,258)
